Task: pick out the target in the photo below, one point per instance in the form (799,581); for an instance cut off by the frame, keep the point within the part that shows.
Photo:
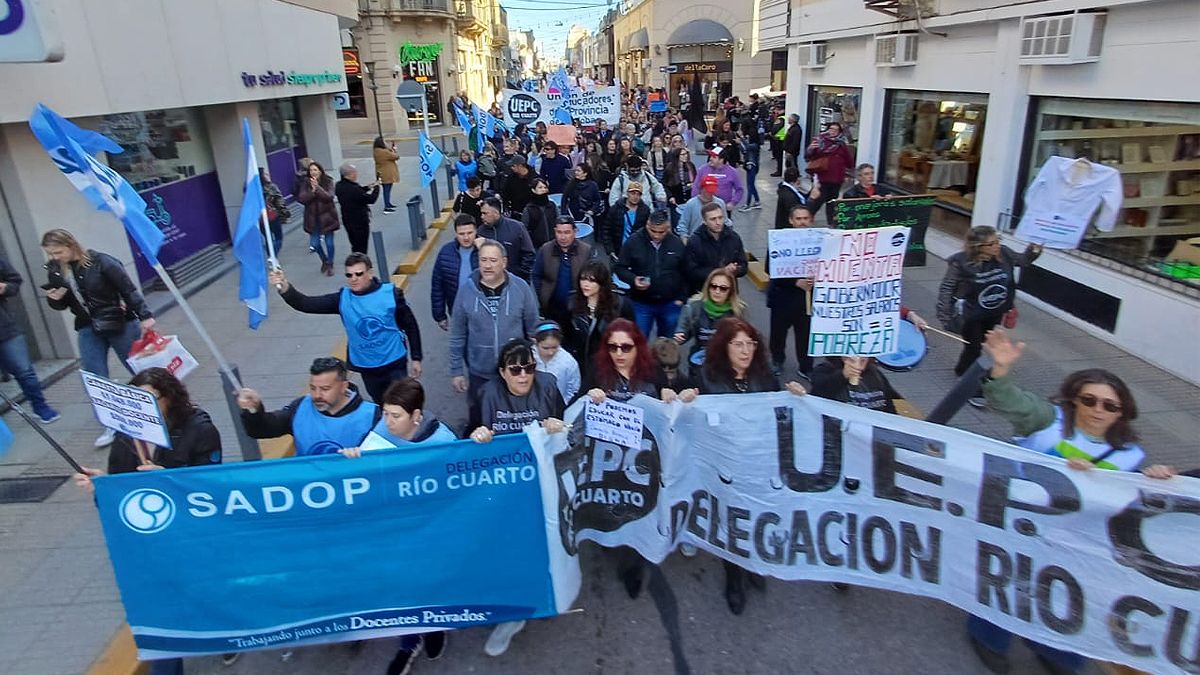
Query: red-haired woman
(735,362)
(623,368)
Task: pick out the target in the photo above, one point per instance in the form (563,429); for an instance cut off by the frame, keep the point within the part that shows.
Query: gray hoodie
(478,335)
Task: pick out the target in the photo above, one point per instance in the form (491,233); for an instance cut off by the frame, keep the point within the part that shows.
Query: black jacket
(705,253)
(539,218)
(12,286)
(504,413)
(611,234)
(443,287)
(856,191)
(103,283)
(465,203)
(789,197)
(793,139)
(517,192)
(583,334)
(196,443)
(873,391)
(987,288)
(722,385)
(273,424)
(664,266)
(517,245)
(355,202)
(331,303)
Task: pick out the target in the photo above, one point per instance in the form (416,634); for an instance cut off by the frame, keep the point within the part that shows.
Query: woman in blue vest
(382,335)
(406,425)
(1089,423)
(520,396)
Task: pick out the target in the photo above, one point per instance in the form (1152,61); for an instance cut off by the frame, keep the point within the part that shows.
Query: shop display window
(280,123)
(932,144)
(161,146)
(1156,149)
(834,104)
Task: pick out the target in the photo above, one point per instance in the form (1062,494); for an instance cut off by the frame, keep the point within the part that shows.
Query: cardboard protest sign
(614,422)
(856,294)
(792,253)
(127,409)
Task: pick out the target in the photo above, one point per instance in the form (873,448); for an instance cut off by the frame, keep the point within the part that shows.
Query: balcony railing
(472,16)
(499,35)
(392,7)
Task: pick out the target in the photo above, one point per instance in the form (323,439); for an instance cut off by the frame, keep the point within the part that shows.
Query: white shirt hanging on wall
(1060,201)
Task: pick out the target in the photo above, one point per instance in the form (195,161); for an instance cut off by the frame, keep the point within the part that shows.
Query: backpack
(487,166)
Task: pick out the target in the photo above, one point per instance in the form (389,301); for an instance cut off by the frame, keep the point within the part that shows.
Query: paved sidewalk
(59,605)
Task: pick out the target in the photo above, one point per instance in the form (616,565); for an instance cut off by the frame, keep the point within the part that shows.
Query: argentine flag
(247,239)
(430,156)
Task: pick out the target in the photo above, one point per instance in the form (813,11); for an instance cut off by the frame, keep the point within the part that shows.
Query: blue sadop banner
(326,549)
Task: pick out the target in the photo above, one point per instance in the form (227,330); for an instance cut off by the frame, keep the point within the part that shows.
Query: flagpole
(38,428)
(191,315)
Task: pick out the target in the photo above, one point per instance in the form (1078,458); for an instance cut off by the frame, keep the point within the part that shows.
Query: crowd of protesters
(605,270)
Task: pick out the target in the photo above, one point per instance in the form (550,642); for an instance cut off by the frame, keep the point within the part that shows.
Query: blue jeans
(326,253)
(387,196)
(93,347)
(751,188)
(14,359)
(665,316)
(996,639)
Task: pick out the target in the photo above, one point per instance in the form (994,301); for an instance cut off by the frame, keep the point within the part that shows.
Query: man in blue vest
(332,416)
(383,341)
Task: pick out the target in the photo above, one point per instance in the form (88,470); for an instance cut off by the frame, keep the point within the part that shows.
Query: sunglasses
(624,348)
(354,275)
(718,287)
(528,369)
(1089,401)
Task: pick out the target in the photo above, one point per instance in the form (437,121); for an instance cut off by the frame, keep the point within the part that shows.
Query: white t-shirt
(1060,201)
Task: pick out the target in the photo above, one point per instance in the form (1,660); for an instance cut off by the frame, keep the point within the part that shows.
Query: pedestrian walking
(829,160)
(557,266)
(553,359)
(788,300)
(14,351)
(714,246)
(717,299)
(652,264)
(455,262)
(320,215)
(277,211)
(355,202)
(512,234)
(387,171)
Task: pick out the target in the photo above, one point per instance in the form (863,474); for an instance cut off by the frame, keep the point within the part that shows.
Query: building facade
(703,41)
(968,103)
(450,46)
(171,86)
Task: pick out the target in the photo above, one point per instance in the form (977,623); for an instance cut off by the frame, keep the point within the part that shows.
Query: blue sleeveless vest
(373,338)
(318,434)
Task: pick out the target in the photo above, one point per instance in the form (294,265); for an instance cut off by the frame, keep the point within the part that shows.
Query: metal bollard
(434,202)
(381,256)
(450,180)
(455,139)
(416,221)
(250,450)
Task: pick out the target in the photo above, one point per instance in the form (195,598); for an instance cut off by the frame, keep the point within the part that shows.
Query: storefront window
(1156,149)
(834,104)
(932,143)
(712,65)
(354,85)
(284,140)
(779,71)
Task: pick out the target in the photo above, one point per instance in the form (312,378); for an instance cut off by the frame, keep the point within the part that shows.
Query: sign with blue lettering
(131,410)
(28,32)
(327,549)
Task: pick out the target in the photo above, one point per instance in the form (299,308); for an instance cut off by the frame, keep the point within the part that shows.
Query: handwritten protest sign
(856,295)
(614,422)
(126,409)
(911,211)
(792,253)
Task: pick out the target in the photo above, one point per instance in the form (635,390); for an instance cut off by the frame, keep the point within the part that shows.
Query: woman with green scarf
(717,299)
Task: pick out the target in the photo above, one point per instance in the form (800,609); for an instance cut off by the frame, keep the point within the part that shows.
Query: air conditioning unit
(896,49)
(812,55)
(1062,39)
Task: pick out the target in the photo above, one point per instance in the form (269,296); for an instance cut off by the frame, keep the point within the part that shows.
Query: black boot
(632,576)
(992,660)
(735,590)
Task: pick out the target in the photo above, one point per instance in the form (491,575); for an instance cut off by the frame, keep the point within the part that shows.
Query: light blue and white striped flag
(248,238)
(431,158)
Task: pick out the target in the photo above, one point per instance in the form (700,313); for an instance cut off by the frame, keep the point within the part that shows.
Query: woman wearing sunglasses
(1089,424)
(717,300)
(520,396)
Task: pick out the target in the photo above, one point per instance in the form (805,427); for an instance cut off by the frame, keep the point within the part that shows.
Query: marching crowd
(604,270)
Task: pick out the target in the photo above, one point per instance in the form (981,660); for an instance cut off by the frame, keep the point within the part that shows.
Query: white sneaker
(744,209)
(105,439)
(688,550)
(497,643)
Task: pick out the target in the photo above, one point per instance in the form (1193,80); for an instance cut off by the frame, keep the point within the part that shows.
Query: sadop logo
(147,511)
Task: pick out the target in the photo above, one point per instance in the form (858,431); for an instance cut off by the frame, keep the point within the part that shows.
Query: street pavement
(59,605)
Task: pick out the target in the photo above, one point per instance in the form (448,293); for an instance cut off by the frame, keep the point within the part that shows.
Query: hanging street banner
(856,294)
(531,107)
(277,554)
(1096,562)
(130,410)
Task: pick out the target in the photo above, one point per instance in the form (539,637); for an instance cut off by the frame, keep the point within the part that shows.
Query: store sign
(706,67)
(273,78)
(410,52)
(350,63)
(419,62)
(28,33)
(341,101)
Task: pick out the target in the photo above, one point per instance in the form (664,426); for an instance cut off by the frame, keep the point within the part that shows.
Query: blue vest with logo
(320,434)
(372,335)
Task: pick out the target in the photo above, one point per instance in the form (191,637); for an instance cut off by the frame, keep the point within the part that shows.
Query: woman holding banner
(520,396)
(735,362)
(109,311)
(195,441)
(1089,423)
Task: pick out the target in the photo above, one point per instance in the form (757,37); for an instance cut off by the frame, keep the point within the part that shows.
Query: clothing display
(1060,201)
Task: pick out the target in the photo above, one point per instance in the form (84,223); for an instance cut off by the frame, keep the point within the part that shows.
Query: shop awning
(700,32)
(639,39)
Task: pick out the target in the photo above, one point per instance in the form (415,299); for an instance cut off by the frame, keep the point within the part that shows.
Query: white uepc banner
(1100,563)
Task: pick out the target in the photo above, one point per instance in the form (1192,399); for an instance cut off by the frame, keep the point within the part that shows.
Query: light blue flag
(490,123)
(464,121)
(561,116)
(562,83)
(6,438)
(71,148)
(481,116)
(529,85)
(248,238)
(431,158)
